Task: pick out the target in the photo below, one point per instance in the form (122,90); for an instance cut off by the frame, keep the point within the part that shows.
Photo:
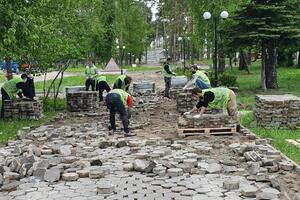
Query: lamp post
(207,16)
(183,39)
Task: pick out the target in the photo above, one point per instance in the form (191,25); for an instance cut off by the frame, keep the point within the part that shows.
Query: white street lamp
(224,14)
(124,47)
(118,47)
(179,38)
(206,15)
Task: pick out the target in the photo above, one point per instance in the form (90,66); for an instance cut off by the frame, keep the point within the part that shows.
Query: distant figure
(29,90)
(90,72)
(167,77)
(123,82)
(199,78)
(11,88)
(102,85)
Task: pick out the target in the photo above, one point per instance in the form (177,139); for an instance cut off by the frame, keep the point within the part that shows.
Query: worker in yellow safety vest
(219,98)
(167,73)
(118,100)
(91,72)
(11,88)
(199,78)
(123,82)
(101,85)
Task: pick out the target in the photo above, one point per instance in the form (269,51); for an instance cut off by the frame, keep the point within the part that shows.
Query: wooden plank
(209,131)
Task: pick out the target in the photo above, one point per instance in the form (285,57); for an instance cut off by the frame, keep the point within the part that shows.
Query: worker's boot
(130,134)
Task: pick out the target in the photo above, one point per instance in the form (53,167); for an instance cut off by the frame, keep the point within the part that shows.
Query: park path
(74,158)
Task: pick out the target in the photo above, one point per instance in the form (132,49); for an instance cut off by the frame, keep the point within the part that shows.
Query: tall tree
(265,23)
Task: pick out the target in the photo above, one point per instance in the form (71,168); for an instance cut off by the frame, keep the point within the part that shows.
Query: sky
(154,8)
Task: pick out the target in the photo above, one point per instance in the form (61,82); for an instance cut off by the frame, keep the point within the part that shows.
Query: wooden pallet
(206,131)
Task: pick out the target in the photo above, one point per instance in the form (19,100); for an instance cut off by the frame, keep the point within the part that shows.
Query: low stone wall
(207,121)
(82,101)
(23,109)
(277,110)
(143,87)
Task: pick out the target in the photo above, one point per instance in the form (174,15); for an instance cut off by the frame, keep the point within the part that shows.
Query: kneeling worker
(122,82)
(101,86)
(118,100)
(219,98)
(199,78)
(11,88)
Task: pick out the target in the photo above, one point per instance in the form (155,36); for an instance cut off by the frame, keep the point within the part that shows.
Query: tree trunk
(263,71)
(243,61)
(298,65)
(221,58)
(230,61)
(270,61)
(248,57)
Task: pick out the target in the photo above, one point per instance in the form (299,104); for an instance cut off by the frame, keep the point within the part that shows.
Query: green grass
(249,84)
(71,81)
(9,128)
(129,68)
(278,137)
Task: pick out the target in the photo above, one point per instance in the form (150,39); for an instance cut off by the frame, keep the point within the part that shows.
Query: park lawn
(278,137)
(9,128)
(249,84)
(129,68)
(71,81)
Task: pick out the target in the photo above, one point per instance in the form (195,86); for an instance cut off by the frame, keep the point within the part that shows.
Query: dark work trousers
(90,82)
(114,104)
(167,86)
(4,97)
(101,86)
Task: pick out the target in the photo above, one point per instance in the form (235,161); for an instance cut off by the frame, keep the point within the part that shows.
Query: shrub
(227,80)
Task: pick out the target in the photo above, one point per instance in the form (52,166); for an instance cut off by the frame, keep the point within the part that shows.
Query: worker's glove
(197,116)
(187,113)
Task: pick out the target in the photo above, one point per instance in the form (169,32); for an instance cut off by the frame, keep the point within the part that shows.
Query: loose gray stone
(10,186)
(40,173)
(231,185)
(52,175)
(286,165)
(11,175)
(105,188)
(275,182)
(70,176)
(248,191)
(213,168)
(96,173)
(267,193)
(83,173)
(65,150)
(173,172)
(143,165)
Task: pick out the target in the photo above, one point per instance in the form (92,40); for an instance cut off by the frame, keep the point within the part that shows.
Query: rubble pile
(143,87)
(23,109)
(85,155)
(277,110)
(207,121)
(81,101)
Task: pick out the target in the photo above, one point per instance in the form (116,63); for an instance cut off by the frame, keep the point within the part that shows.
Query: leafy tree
(265,23)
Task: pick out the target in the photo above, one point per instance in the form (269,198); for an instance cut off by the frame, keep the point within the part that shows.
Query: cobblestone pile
(277,110)
(82,101)
(143,87)
(106,167)
(207,121)
(23,109)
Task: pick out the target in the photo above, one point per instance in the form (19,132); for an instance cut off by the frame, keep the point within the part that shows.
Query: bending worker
(91,72)
(219,98)
(101,86)
(123,82)
(11,88)
(199,78)
(118,100)
(167,77)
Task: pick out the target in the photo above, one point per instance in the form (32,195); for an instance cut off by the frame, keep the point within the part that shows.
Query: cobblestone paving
(75,160)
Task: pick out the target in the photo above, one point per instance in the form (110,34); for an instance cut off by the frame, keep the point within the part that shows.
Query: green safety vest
(221,97)
(10,87)
(91,71)
(122,78)
(124,95)
(100,78)
(167,75)
(203,76)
